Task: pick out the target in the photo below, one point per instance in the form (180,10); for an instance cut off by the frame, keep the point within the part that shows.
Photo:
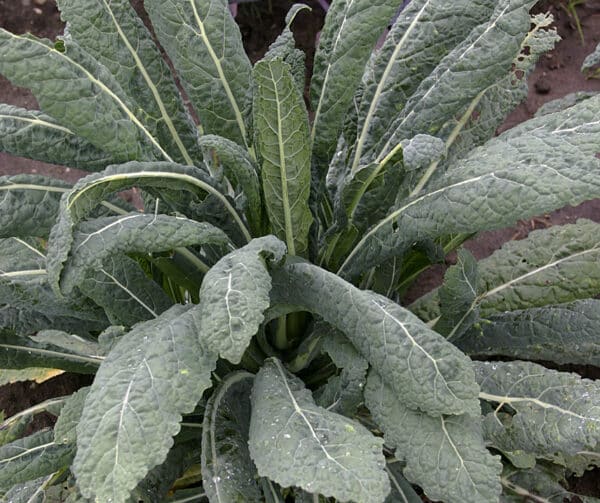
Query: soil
(556,75)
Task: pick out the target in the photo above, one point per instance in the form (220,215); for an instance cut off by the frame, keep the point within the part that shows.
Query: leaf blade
(346,458)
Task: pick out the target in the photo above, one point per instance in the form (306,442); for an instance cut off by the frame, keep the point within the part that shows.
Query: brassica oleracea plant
(245,330)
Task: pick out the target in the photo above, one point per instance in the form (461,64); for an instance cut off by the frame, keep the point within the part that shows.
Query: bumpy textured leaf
(537,484)
(457,295)
(241,170)
(591,60)
(284,48)
(137,66)
(27,302)
(343,393)
(545,268)
(155,373)
(564,333)
(228,473)
(205,45)
(484,57)
(554,411)
(488,109)
(351,29)
(88,192)
(28,492)
(122,289)
(425,31)
(88,100)
(295,442)
(22,352)
(97,240)
(428,372)
(32,457)
(538,166)
(282,129)
(402,491)
(33,134)
(445,455)
(29,204)
(66,424)
(234,295)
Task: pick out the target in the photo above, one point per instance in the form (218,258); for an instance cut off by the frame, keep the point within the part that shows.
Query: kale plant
(245,330)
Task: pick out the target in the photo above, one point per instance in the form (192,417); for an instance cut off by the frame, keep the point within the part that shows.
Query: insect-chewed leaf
(234,295)
(112,33)
(555,411)
(33,134)
(205,45)
(32,457)
(90,191)
(228,473)
(295,442)
(445,455)
(281,124)
(563,333)
(134,406)
(544,268)
(89,102)
(95,241)
(29,204)
(351,29)
(480,60)
(421,366)
(425,31)
(538,166)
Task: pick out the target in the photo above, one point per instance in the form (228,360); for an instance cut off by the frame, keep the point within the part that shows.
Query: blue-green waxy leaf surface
(425,31)
(32,457)
(29,204)
(33,134)
(295,442)
(351,29)
(112,33)
(484,57)
(281,124)
(538,166)
(563,333)
(234,295)
(429,373)
(445,455)
(90,191)
(79,94)
(555,412)
(205,45)
(31,491)
(228,473)
(95,241)
(153,374)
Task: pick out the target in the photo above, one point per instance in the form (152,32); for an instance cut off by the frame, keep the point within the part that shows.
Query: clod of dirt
(542,84)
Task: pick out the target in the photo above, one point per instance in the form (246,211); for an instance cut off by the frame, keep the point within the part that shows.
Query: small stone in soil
(542,85)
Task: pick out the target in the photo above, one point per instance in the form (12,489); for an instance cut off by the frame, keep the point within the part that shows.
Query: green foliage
(244,325)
